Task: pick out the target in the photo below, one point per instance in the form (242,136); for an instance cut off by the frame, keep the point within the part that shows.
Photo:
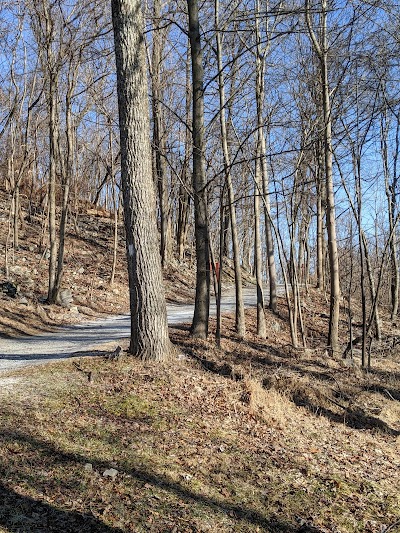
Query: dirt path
(71,341)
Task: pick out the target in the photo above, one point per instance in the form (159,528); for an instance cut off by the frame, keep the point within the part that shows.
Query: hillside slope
(88,265)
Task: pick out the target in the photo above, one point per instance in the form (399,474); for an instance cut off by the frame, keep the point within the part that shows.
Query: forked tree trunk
(202,300)
(149,328)
(321,48)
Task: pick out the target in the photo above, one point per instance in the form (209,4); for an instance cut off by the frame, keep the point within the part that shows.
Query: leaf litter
(252,437)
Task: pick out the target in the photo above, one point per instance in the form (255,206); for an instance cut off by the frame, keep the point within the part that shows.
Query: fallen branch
(392,526)
(344,407)
(89,375)
(388,393)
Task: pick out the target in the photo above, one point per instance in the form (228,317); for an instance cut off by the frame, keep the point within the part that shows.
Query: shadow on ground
(43,357)
(265,360)
(22,513)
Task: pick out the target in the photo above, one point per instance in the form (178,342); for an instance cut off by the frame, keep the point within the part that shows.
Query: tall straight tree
(158,131)
(44,29)
(320,44)
(240,319)
(184,187)
(261,55)
(202,301)
(261,323)
(149,328)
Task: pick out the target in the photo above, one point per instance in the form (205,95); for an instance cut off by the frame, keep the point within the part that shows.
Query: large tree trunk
(149,328)
(45,35)
(202,301)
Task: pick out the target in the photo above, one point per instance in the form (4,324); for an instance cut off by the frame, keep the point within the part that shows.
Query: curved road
(71,340)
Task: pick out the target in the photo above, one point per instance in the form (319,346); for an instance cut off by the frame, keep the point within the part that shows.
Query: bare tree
(159,35)
(320,44)
(149,328)
(240,320)
(202,299)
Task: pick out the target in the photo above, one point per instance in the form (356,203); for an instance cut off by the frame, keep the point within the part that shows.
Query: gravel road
(71,341)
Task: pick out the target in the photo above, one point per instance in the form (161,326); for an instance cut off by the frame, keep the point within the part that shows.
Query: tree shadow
(223,369)
(383,374)
(14,324)
(270,350)
(387,392)
(105,245)
(22,513)
(273,358)
(46,357)
(354,418)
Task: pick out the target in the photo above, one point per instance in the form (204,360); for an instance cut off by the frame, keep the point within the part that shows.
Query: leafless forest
(274,146)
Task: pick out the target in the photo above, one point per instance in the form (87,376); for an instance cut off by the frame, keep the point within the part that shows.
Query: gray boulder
(65,298)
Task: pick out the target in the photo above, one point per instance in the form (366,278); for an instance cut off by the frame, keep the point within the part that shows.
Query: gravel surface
(71,341)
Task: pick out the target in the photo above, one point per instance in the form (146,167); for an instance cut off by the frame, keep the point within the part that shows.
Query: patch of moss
(131,407)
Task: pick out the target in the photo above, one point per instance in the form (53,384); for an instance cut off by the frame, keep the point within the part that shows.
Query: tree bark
(260,98)
(258,186)
(67,175)
(273,302)
(53,139)
(261,325)
(391,189)
(321,203)
(158,134)
(116,201)
(240,320)
(321,48)
(202,300)
(149,328)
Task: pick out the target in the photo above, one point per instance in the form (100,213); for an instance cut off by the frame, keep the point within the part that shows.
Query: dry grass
(243,439)
(270,406)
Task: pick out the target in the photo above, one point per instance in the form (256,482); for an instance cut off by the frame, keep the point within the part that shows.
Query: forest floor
(253,436)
